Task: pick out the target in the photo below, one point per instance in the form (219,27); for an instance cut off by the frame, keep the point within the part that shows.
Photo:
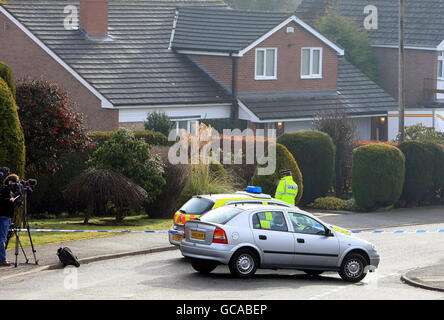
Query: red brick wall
(420,64)
(27,59)
(218,67)
(288,66)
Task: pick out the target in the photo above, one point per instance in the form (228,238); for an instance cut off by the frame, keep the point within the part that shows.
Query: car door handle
(262,237)
(301,240)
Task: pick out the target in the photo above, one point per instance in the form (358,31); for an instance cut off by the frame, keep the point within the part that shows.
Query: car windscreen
(197,205)
(221,215)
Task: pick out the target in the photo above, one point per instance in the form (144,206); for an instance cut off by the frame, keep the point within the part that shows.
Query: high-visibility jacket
(287,190)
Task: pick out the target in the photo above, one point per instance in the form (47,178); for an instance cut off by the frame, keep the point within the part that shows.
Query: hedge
(424,170)
(378,172)
(284,160)
(12,140)
(314,152)
(6,74)
(150,137)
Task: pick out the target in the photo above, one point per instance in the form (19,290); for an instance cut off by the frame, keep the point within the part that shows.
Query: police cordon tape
(176,232)
(96,231)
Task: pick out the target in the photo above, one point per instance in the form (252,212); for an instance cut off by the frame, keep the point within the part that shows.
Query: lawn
(132,223)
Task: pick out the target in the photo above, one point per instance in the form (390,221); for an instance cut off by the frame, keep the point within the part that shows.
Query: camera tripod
(20,223)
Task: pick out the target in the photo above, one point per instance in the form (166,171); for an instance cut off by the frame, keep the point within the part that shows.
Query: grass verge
(132,223)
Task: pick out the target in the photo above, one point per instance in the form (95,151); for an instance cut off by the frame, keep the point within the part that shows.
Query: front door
(272,236)
(312,247)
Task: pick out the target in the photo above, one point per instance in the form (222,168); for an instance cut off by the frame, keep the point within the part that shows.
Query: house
(192,60)
(424,44)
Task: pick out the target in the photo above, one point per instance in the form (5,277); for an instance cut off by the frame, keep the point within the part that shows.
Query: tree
(348,34)
(12,141)
(342,130)
(50,125)
(6,74)
(159,122)
(94,189)
(131,157)
(264,5)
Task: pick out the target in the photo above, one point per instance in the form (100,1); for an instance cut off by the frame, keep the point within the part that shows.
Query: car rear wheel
(313,273)
(244,263)
(353,268)
(202,266)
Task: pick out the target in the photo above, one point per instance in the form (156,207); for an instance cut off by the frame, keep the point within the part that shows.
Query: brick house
(424,44)
(192,60)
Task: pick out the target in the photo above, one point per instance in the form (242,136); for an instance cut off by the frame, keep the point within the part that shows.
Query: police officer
(287,189)
(8,201)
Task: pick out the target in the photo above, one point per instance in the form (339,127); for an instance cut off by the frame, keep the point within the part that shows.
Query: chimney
(94,17)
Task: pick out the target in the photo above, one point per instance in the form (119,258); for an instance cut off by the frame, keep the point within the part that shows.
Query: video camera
(4,172)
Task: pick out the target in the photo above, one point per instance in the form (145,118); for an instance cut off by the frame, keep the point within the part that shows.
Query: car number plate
(198,235)
(177,237)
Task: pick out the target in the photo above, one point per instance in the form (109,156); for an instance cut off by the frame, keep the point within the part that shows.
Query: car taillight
(219,236)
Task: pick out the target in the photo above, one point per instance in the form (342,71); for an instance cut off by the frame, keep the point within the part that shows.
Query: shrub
(420,132)
(6,74)
(150,137)
(98,188)
(50,125)
(159,122)
(342,131)
(329,203)
(131,157)
(284,160)
(378,175)
(202,180)
(176,177)
(314,152)
(12,142)
(423,164)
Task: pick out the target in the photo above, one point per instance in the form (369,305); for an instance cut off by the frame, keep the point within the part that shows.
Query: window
(311,63)
(221,215)
(440,65)
(197,205)
(271,220)
(304,224)
(266,64)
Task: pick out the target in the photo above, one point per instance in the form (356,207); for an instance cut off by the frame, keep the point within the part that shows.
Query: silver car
(248,237)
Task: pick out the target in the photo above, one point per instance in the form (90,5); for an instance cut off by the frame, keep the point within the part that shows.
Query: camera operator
(10,197)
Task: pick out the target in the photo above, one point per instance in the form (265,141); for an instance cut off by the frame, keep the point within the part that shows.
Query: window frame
(311,75)
(265,77)
(440,59)
(256,213)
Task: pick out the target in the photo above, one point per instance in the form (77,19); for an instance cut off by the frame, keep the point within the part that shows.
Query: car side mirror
(328,232)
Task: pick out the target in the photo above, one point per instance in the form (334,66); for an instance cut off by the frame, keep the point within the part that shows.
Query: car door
(271,234)
(312,247)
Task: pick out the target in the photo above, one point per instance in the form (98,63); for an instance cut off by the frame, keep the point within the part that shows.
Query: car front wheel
(202,266)
(244,263)
(353,268)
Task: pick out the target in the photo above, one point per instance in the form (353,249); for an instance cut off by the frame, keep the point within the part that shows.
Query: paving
(118,246)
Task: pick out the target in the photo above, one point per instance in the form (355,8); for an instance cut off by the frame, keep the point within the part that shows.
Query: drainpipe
(235,112)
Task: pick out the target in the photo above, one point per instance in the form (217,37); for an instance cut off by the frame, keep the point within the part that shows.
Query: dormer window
(311,63)
(266,64)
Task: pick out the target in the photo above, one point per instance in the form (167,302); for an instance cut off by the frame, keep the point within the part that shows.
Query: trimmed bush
(329,203)
(6,74)
(424,173)
(159,122)
(150,137)
(314,152)
(284,160)
(12,140)
(378,173)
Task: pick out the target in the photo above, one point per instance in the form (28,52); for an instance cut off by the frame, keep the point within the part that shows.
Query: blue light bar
(254,189)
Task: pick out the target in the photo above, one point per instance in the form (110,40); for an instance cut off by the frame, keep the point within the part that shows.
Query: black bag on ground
(67,257)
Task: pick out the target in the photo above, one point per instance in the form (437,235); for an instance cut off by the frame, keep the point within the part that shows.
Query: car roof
(237,195)
(252,206)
